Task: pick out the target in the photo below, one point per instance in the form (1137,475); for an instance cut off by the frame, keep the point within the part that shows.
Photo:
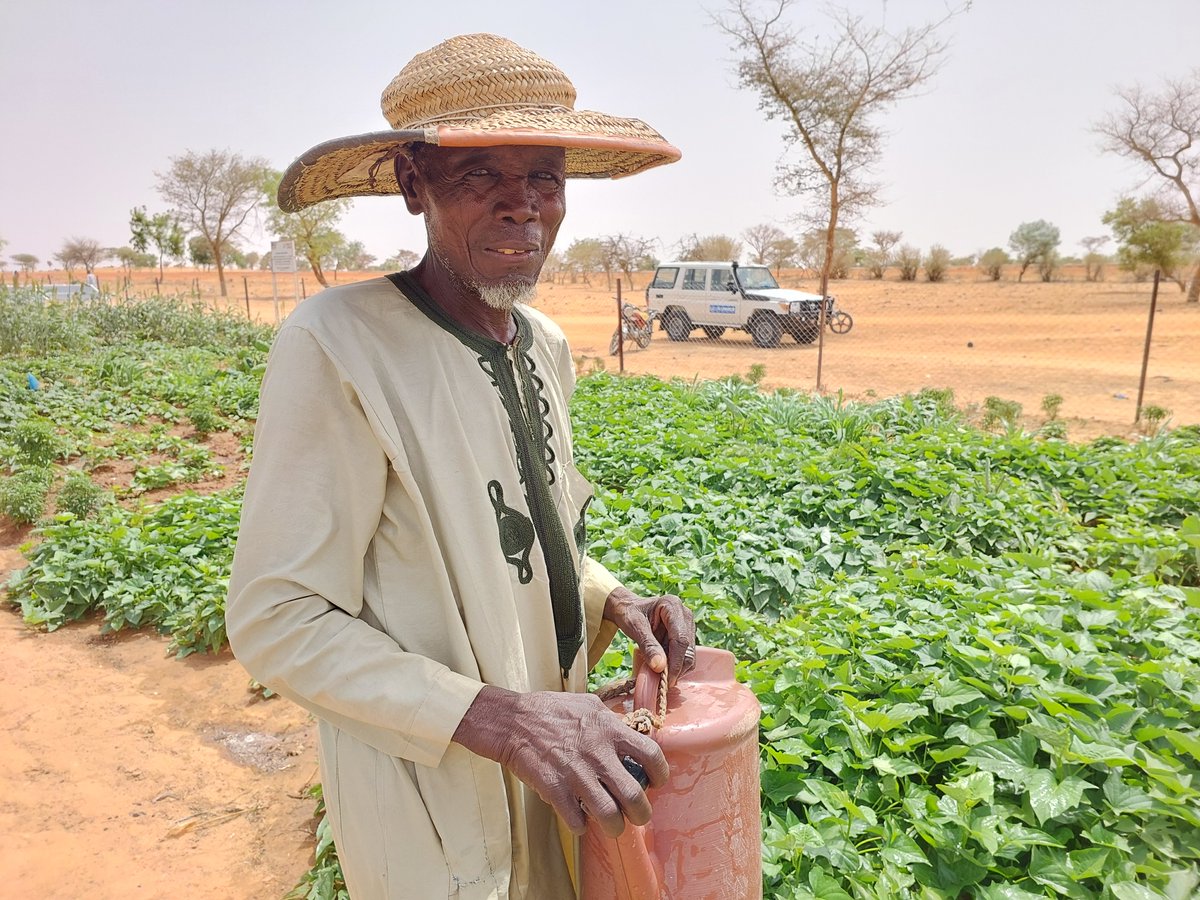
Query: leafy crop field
(978,654)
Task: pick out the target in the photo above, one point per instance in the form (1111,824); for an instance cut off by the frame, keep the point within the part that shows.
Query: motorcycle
(635,326)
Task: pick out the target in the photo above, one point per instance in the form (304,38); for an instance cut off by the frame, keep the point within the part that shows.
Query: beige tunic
(387,568)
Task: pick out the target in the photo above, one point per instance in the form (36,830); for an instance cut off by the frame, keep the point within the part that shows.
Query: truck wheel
(712,332)
(765,329)
(841,322)
(677,324)
(804,332)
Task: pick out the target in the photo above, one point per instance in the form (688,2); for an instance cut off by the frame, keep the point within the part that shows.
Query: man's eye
(547,178)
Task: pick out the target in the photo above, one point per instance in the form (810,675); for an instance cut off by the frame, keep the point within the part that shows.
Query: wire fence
(1064,356)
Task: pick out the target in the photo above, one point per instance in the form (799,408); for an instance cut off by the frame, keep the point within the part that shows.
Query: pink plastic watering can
(704,839)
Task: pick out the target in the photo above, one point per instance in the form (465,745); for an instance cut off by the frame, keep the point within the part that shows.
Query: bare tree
(627,253)
(214,193)
(760,238)
(829,93)
(1162,131)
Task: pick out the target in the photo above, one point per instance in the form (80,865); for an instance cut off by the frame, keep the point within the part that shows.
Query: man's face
(491,213)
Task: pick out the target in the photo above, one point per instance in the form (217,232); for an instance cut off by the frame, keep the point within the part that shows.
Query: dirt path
(126,773)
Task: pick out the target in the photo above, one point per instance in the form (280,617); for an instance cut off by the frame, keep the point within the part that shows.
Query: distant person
(412,565)
(91,285)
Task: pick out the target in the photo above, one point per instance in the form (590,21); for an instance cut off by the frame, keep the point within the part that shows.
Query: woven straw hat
(475,90)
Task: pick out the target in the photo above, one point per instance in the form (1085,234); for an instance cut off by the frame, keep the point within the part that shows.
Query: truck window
(721,279)
(693,279)
(665,277)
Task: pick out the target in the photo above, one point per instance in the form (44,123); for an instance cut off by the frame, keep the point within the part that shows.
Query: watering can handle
(647,687)
(642,869)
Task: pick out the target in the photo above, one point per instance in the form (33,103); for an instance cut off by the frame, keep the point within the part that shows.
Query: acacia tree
(760,238)
(829,94)
(162,231)
(401,259)
(214,193)
(27,261)
(1093,259)
(879,257)
(1147,239)
(312,228)
(583,257)
(1034,242)
(716,247)
(781,253)
(814,252)
(627,253)
(78,251)
(1161,130)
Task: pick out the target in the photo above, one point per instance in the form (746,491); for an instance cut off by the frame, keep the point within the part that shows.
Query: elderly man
(412,563)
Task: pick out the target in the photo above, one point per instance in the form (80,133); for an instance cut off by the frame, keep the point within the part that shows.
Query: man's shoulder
(543,326)
(345,306)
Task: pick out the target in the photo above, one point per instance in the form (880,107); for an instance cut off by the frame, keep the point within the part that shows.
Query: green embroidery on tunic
(581,528)
(516,533)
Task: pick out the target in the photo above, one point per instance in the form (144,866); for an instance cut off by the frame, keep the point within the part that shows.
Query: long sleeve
(313,502)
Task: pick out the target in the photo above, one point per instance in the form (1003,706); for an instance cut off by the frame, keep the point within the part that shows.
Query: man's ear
(407,177)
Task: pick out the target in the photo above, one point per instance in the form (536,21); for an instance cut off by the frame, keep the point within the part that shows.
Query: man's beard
(505,296)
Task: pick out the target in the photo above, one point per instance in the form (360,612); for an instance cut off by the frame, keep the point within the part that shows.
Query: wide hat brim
(597,146)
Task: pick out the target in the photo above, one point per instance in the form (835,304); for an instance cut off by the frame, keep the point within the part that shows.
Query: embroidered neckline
(408,286)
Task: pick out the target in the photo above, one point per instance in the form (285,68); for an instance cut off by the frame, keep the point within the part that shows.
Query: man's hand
(568,748)
(651,623)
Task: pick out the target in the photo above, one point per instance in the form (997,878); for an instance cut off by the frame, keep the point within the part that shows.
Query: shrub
(79,496)
(1051,403)
(992,263)
(937,262)
(908,258)
(23,496)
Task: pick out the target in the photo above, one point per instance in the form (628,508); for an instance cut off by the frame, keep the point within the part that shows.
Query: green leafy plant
(1000,413)
(79,496)
(203,417)
(36,442)
(23,495)
(324,881)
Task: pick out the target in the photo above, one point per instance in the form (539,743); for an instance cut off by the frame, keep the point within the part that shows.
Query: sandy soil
(127,773)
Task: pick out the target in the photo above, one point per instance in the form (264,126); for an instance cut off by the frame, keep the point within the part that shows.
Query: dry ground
(126,773)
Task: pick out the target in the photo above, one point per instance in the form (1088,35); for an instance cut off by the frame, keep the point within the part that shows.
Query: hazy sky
(97,96)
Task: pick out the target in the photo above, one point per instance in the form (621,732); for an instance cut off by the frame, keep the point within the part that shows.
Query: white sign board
(283,256)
